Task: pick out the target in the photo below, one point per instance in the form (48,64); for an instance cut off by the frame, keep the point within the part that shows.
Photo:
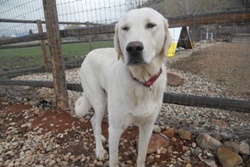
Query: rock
(99,163)
(242,133)
(91,165)
(232,146)
(157,156)
(52,163)
(11,164)
(66,157)
(72,157)
(197,151)
(29,125)
(63,163)
(150,159)
(226,136)
(28,159)
(49,147)
(193,144)
(248,163)
(187,153)
(206,141)
(185,148)
(184,134)
(209,162)
(37,111)
(129,162)
(157,141)
(164,151)
(158,151)
(228,158)
(169,132)
(12,123)
(220,123)
(174,79)
(244,148)
(186,159)
(157,129)
(179,159)
(17,163)
(170,150)
(6,163)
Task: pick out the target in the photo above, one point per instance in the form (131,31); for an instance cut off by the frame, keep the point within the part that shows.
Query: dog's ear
(116,42)
(168,39)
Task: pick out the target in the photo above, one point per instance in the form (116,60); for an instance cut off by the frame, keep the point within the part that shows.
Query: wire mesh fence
(207,93)
(216,32)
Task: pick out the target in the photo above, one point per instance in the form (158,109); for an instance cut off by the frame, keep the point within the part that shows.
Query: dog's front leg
(145,132)
(96,125)
(114,137)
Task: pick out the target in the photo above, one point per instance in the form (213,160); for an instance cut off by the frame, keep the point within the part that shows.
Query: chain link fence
(218,33)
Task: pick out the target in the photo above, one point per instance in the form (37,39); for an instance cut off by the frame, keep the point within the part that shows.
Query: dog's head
(141,35)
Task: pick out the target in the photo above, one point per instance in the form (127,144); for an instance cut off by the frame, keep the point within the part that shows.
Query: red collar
(151,80)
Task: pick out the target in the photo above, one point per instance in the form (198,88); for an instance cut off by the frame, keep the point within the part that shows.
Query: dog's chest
(144,102)
(131,100)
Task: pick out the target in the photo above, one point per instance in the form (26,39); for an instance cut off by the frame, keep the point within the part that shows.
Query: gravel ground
(225,63)
(46,137)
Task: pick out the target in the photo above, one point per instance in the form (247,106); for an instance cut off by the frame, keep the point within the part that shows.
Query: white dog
(128,81)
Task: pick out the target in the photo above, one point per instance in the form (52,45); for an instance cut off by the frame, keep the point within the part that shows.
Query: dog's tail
(82,106)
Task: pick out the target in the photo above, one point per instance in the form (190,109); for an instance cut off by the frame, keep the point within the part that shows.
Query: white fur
(105,72)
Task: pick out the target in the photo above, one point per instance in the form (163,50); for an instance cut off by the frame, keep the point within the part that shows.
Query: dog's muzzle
(134,50)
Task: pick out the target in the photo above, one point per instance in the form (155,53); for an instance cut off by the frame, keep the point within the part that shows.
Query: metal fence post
(59,78)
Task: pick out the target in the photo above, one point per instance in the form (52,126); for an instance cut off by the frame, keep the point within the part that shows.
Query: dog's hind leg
(99,104)
(94,90)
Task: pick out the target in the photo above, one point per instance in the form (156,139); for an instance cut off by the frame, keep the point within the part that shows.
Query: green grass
(32,56)
(81,49)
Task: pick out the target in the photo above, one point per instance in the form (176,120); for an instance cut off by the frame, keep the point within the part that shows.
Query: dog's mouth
(135,60)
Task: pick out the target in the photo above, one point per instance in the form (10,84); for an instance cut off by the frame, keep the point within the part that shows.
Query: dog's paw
(100,154)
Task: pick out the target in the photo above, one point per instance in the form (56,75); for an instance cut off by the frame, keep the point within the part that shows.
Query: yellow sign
(172,49)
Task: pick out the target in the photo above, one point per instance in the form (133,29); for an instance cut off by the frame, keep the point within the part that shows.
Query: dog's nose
(134,48)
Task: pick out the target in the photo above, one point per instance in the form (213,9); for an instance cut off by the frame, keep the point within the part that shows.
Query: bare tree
(133,4)
(189,7)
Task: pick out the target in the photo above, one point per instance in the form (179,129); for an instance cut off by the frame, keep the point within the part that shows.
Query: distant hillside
(172,8)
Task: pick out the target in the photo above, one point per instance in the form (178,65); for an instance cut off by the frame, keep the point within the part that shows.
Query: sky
(98,11)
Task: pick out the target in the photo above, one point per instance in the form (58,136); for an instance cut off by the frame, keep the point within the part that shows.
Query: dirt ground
(74,140)
(226,63)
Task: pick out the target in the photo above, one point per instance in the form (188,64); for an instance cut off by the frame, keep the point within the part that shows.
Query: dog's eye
(150,25)
(125,28)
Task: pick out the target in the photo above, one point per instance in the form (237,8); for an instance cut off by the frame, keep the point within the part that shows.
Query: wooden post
(59,79)
(43,46)
(89,38)
(90,42)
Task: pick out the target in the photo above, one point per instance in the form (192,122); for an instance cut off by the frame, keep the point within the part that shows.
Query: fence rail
(37,69)
(43,22)
(179,99)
